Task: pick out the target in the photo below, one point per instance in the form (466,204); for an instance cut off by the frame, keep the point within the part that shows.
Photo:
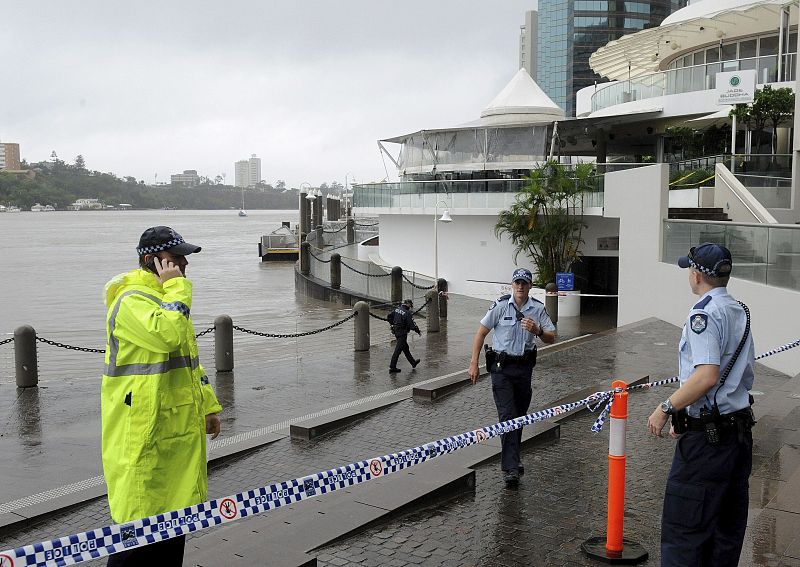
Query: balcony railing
(767,254)
(470,194)
(691,79)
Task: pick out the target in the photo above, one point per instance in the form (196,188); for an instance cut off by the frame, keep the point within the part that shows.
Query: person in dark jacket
(402,324)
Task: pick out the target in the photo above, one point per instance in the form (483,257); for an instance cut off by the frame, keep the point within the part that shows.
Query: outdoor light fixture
(445,218)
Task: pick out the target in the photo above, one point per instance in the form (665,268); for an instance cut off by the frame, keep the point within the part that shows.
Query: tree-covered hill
(60,184)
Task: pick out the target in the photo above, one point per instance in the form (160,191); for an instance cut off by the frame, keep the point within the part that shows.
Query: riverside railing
(766,254)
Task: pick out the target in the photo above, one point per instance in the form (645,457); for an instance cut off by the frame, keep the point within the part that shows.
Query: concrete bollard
(361,337)
(320,243)
(397,285)
(223,343)
(316,218)
(551,301)
(25,361)
(441,285)
(351,231)
(305,258)
(336,271)
(433,311)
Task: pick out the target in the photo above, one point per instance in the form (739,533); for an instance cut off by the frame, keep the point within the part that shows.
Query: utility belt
(715,425)
(496,360)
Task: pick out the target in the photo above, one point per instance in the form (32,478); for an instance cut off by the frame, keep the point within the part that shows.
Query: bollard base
(631,554)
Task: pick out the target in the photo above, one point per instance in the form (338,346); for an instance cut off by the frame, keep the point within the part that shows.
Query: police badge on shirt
(699,322)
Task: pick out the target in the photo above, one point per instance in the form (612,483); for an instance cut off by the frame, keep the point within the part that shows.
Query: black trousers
(706,501)
(401,346)
(168,553)
(511,388)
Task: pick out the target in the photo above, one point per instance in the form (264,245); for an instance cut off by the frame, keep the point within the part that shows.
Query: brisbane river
(55,265)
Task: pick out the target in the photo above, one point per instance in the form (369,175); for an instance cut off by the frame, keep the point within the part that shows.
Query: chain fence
(291,342)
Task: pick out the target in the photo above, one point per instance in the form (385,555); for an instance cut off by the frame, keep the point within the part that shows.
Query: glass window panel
(792,47)
(767,69)
(699,58)
(728,51)
(747,48)
(768,45)
(748,64)
(712,55)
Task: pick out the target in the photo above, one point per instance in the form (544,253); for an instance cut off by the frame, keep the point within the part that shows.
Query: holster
(680,421)
(491,357)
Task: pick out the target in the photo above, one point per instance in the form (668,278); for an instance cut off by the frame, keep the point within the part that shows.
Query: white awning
(701,23)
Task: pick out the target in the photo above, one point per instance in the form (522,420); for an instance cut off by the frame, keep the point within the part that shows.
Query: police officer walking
(517,320)
(706,501)
(402,324)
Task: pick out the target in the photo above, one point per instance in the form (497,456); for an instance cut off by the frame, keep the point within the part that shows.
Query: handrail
(733,223)
(723,175)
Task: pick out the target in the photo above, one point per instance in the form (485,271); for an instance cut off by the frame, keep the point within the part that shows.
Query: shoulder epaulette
(703,302)
(505,297)
(536,300)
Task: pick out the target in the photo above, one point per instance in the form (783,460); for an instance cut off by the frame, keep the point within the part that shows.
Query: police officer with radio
(402,324)
(706,501)
(517,320)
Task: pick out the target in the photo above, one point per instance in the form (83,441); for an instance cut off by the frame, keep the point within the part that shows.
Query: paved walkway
(561,500)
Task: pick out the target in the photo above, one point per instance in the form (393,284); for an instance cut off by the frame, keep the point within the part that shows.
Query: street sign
(736,87)
(565,281)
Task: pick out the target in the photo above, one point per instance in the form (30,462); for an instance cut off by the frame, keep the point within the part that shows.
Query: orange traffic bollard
(615,549)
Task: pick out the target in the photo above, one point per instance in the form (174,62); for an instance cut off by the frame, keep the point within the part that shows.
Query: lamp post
(347,194)
(436,221)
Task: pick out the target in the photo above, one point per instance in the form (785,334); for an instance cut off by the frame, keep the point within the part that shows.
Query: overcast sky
(146,88)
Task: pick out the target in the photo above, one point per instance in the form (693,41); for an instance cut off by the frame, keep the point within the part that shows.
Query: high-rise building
(248,172)
(9,156)
(527,43)
(569,31)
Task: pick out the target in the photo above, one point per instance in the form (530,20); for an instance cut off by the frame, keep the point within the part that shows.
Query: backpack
(390,318)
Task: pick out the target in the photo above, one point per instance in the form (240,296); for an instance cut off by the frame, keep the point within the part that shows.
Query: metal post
(25,360)
(336,271)
(397,285)
(433,311)
(551,301)
(351,231)
(320,243)
(361,338)
(305,258)
(441,285)
(317,218)
(223,343)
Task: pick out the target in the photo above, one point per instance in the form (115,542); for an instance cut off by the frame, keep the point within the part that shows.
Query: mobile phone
(151,265)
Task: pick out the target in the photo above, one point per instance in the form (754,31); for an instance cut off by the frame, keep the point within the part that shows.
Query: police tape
(108,540)
(100,542)
(608,397)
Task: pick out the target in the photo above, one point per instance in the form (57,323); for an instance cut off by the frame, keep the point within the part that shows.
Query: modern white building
(633,237)
(248,172)
(189,178)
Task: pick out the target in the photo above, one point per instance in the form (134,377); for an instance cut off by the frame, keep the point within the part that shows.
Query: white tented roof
(701,23)
(522,100)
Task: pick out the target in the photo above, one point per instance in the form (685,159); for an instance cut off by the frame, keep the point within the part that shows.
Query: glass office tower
(569,31)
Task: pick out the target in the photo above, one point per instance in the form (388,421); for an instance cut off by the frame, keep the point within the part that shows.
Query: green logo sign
(735,80)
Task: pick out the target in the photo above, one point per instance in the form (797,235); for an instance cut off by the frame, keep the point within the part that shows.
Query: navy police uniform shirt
(711,334)
(509,334)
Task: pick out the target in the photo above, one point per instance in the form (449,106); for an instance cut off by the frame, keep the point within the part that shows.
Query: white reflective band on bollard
(616,437)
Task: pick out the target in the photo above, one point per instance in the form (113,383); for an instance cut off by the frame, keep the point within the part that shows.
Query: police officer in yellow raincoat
(157,404)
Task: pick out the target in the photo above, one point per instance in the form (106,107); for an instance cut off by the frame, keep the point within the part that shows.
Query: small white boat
(242,212)
(13,209)
(37,208)
(49,208)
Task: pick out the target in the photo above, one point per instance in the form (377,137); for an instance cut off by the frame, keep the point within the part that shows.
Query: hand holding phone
(165,270)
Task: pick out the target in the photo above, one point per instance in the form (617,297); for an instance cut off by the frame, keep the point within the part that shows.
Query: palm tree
(546,220)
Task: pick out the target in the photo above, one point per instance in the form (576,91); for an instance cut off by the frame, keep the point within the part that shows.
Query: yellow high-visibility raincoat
(154,396)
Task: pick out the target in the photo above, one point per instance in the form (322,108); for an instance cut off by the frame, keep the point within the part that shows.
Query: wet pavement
(560,502)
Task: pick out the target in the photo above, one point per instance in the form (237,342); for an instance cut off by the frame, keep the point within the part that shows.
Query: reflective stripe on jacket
(154,396)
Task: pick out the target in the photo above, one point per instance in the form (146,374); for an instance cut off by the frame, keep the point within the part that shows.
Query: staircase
(698,213)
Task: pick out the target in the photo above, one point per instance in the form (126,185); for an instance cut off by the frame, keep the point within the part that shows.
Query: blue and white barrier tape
(101,542)
(608,397)
(104,541)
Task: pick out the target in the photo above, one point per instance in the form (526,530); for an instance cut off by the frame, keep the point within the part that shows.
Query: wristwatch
(666,407)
